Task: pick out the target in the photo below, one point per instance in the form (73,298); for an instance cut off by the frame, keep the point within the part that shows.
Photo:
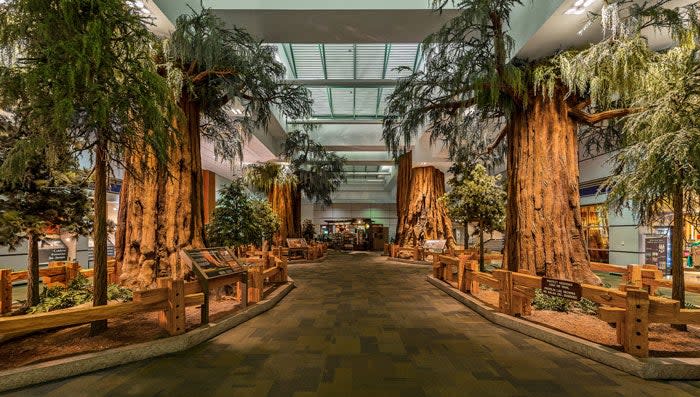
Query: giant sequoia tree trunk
(544,234)
(424,216)
(162,206)
(403,186)
(282,202)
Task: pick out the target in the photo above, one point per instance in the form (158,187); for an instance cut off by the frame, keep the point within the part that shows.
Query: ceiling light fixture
(579,7)
(139,6)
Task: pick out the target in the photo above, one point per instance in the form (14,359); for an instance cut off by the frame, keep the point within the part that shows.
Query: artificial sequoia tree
(477,197)
(420,212)
(215,69)
(472,87)
(79,76)
(35,200)
(658,166)
(308,169)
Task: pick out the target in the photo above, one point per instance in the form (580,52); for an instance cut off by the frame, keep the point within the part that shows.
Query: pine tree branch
(198,78)
(499,138)
(594,118)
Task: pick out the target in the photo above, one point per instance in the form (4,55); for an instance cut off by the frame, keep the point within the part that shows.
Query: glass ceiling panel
(350,62)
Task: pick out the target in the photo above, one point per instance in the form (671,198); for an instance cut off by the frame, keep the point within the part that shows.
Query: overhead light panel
(579,7)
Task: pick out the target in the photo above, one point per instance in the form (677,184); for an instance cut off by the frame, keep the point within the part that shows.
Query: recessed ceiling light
(579,7)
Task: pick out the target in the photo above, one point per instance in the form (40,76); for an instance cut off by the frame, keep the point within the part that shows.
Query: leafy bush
(78,292)
(240,219)
(543,301)
(586,306)
(546,302)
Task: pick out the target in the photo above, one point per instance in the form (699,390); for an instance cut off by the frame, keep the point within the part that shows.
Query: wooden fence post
(172,318)
(505,290)
(255,284)
(634,275)
(472,284)
(284,272)
(72,271)
(5,291)
(436,266)
(416,253)
(636,328)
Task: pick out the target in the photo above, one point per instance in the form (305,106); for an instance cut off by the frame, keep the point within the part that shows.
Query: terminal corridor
(359,325)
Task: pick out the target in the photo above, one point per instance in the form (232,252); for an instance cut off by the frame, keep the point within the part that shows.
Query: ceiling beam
(344,83)
(331,120)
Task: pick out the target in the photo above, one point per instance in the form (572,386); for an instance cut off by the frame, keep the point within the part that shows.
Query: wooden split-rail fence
(170,298)
(630,310)
(57,273)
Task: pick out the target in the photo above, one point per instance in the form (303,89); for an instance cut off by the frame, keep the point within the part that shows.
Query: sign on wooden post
(5,291)
(561,288)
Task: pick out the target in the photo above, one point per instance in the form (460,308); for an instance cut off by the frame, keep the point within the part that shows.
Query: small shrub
(546,302)
(586,306)
(78,292)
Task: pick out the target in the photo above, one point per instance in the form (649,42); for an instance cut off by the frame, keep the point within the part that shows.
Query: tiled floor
(360,326)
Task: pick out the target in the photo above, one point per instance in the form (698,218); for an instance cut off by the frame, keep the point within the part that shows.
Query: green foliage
(466,66)
(310,168)
(477,196)
(220,67)
(264,176)
(546,302)
(661,151)
(308,230)
(37,197)
(80,73)
(78,292)
(239,219)
(553,303)
(319,172)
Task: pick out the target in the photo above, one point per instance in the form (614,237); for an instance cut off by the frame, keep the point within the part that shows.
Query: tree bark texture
(403,186)
(281,199)
(424,216)
(33,270)
(544,232)
(677,243)
(99,297)
(162,207)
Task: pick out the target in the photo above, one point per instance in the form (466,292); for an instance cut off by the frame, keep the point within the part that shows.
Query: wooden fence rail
(170,299)
(630,310)
(647,277)
(57,273)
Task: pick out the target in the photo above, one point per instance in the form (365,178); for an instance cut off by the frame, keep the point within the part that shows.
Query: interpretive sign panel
(297,243)
(435,245)
(213,263)
(656,252)
(561,288)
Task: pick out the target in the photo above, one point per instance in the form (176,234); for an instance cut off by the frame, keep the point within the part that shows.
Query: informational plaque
(297,243)
(561,288)
(216,267)
(213,263)
(52,250)
(656,252)
(435,245)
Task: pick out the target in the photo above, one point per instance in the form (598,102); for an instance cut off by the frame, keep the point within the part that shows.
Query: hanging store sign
(561,288)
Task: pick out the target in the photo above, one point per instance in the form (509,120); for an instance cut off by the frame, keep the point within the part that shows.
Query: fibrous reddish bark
(544,233)
(424,217)
(281,201)
(296,211)
(162,207)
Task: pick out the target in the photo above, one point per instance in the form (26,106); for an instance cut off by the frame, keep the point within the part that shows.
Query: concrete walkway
(358,325)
